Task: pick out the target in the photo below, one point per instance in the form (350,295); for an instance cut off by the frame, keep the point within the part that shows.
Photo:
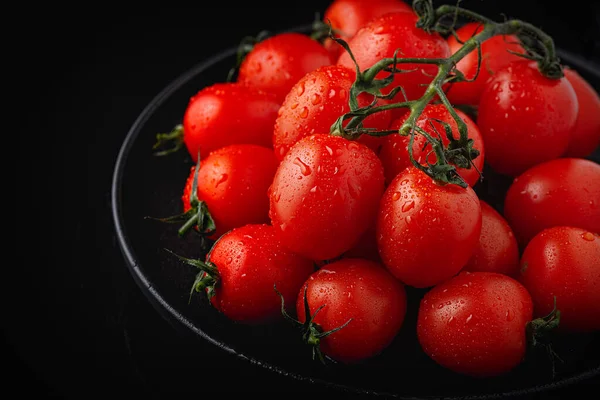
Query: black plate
(145,185)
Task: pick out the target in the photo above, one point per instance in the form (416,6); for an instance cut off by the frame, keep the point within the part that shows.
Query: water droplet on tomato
(440,306)
(336,170)
(353,189)
(589,236)
(408,219)
(408,206)
(304,168)
(300,89)
(469,318)
(396,196)
(283,226)
(329,150)
(313,189)
(315,99)
(331,93)
(450,319)
(509,316)
(221,179)
(304,112)
(294,106)
(277,197)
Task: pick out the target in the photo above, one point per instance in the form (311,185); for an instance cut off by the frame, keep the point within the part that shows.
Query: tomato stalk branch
(538,45)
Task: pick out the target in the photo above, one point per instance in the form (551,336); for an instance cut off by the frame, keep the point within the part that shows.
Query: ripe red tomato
(585,137)
(497,250)
(228,113)
(315,102)
(360,293)
(324,195)
(525,118)
(426,232)
(244,266)
(233,181)
(564,191)
(495,54)
(346,17)
(279,61)
(564,262)
(394,148)
(382,36)
(475,323)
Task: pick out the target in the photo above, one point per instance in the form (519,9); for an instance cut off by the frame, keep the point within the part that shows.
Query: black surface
(75,323)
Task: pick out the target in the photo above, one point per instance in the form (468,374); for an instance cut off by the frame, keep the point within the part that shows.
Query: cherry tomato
(564,191)
(242,269)
(475,323)
(315,102)
(426,232)
(497,250)
(495,54)
(585,137)
(525,118)
(279,61)
(362,298)
(324,195)
(564,262)
(228,113)
(346,17)
(233,181)
(394,148)
(382,36)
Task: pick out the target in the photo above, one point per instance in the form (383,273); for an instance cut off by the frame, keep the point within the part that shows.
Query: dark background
(75,323)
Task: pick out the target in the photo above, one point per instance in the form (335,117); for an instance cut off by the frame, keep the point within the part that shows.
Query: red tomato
(585,137)
(228,113)
(233,181)
(316,102)
(426,232)
(382,36)
(279,61)
(497,250)
(525,118)
(242,269)
(495,54)
(475,323)
(324,195)
(394,148)
(564,262)
(564,191)
(348,16)
(361,292)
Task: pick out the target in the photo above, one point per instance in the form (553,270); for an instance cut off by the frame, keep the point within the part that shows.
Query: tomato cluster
(328,228)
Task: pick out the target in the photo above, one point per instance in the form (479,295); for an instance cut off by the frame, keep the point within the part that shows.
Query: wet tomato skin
(315,102)
(251,260)
(498,250)
(228,113)
(233,181)
(275,64)
(475,323)
(394,148)
(585,136)
(563,191)
(525,118)
(426,232)
(361,291)
(324,195)
(564,261)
